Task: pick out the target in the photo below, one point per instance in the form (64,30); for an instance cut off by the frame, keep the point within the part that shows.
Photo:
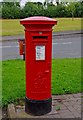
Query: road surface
(68,46)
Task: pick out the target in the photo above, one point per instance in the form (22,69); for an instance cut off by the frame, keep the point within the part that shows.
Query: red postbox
(38,55)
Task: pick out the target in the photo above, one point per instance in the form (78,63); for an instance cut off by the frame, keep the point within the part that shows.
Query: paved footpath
(69,107)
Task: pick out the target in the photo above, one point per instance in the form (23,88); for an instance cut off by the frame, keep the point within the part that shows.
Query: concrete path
(69,107)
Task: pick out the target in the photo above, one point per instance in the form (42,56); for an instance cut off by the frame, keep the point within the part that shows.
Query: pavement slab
(70,107)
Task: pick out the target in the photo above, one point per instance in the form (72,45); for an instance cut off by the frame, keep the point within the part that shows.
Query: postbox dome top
(38,20)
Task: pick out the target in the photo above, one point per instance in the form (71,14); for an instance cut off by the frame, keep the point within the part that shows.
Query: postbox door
(38,69)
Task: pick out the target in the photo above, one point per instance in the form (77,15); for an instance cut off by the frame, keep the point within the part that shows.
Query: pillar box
(38,57)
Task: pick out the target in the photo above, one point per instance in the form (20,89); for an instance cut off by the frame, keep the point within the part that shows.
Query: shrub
(12,10)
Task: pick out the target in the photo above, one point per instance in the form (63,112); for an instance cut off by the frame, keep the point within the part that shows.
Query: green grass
(67,24)
(13,85)
(66,78)
(13,27)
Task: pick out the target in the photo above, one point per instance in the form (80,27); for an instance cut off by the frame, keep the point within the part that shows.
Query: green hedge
(12,10)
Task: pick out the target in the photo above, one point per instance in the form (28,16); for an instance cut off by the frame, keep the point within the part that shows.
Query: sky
(24,1)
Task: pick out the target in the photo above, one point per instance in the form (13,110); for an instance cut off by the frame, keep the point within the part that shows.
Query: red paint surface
(38,32)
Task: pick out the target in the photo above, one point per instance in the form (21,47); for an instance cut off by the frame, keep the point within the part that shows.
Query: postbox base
(38,107)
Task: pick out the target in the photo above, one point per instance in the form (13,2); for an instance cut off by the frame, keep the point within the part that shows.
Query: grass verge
(66,78)
(64,24)
(67,24)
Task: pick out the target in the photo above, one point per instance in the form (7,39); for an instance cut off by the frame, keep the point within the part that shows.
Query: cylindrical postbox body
(38,53)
